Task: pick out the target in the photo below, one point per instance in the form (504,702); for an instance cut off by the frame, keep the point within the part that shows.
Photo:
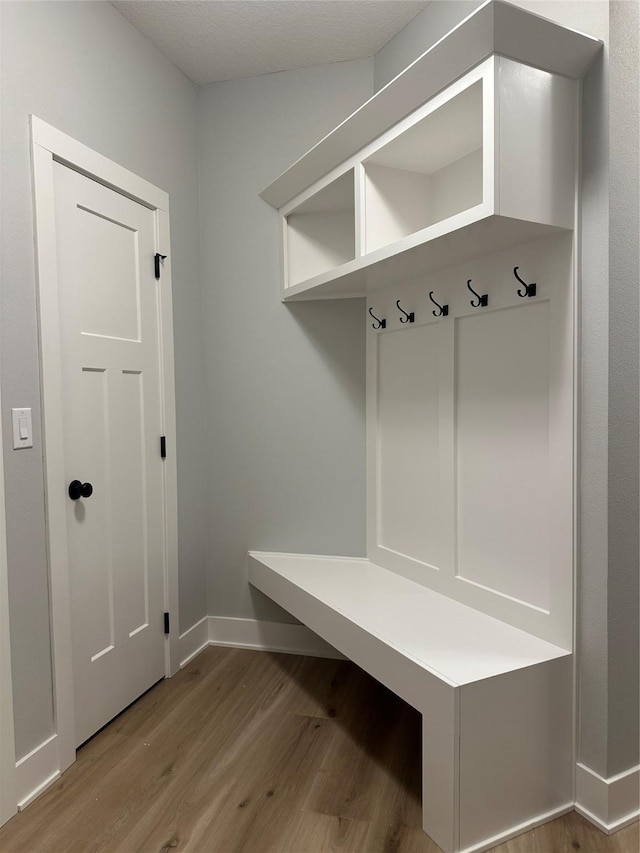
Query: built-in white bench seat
(496,701)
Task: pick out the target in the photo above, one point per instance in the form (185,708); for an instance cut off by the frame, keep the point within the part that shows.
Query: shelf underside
(412,257)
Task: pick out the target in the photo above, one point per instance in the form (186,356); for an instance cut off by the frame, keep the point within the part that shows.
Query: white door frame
(8,796)
(49,145)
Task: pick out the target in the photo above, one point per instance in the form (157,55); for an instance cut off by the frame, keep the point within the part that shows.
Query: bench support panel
(440,765)
(515,752)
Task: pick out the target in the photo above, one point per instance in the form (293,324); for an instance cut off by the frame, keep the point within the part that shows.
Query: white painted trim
(72,153)
(48,145)
(8,797)
(269,637)
(514,831)
(36,771)
(170,466)
(610,804)
(51,392)
(194,641)
(577,431)
(253,634)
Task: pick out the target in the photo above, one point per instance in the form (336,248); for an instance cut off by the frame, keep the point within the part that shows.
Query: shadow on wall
(265,609)
(331,333)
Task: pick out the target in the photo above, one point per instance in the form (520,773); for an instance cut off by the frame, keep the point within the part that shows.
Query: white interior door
(112,412)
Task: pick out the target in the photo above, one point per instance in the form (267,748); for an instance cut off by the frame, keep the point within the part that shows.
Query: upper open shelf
(496,27)
(487,163)
(426,174)
(320,232)
(465,153)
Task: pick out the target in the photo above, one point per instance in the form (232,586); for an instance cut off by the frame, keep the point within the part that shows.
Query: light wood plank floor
(250,752)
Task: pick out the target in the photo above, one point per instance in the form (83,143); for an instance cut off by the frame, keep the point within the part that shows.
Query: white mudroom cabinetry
(450,200)
(487,163)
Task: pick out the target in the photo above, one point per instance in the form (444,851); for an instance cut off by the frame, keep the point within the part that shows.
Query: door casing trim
(49,145)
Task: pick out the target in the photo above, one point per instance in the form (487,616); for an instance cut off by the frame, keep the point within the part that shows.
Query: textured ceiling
(221,39)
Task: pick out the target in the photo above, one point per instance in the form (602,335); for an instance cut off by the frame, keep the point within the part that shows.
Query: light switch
(22,428)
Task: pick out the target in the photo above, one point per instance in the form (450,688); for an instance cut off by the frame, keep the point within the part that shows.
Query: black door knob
(79,490)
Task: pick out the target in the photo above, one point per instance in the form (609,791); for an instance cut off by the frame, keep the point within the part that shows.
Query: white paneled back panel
(408,443)
(502,450)
(470,436)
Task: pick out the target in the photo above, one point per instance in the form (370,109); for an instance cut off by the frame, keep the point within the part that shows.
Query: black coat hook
(379,324)
(443,309)
(408,318)
(483,300)
(529,289)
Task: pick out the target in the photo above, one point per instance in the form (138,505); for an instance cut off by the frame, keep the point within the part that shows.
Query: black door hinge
(158,258)
(166,623)
(163,447)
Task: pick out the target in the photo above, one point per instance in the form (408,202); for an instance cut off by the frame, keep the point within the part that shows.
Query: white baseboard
(514,831)
(610,804)
(193,641)
(269,637)
(36,771)
(252,634)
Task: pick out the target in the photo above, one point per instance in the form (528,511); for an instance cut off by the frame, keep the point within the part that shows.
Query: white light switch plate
(22,428)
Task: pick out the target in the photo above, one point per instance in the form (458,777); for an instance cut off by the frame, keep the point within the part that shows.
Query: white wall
(608,535)
(7,741)
(418,35)
(284,383)
(83,68)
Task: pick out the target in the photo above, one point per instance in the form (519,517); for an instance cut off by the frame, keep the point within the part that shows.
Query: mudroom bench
(449,201)
(495,701)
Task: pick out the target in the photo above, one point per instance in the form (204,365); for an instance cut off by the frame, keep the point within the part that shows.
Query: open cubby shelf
(487,163)
(427,174)
(320,232)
